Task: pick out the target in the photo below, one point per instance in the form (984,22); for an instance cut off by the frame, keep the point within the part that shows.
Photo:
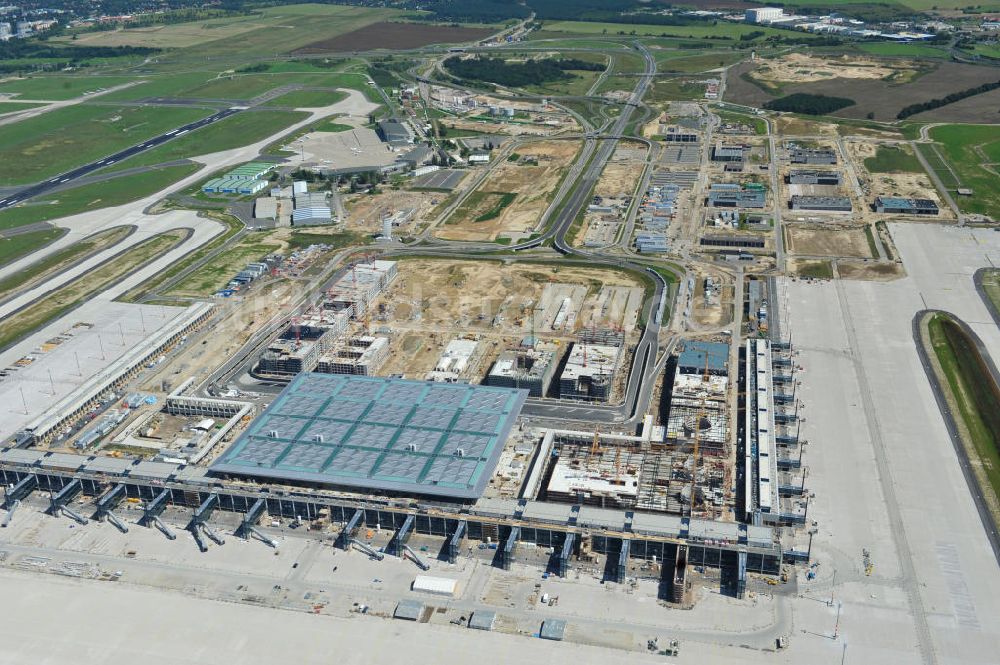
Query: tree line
(517,74)
(914,109)
(808,104)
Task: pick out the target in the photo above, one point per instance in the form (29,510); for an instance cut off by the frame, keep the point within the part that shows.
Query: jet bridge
(15,494)
(402,535)
(247,527)
(370,551)
(346,535)
(564,555)
(60,500)
(455,542)
(151,514)
(507,553)
(108,502)
(421,564)
(199,523)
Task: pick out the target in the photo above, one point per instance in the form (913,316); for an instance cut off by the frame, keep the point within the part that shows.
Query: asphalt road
(81,171)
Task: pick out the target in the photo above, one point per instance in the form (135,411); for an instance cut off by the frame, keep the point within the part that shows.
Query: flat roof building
(822,203)
(732,241)
(812,177)
(727,153)
(810,156)
(724,195)
(903,206)
(378,435)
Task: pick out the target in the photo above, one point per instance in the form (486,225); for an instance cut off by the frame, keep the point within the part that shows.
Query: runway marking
(961,599)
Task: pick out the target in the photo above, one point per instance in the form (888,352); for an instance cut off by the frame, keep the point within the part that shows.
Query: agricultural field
(907,82)
(973,153)
(47,145)
(232,132)
(57,87)
(512,199)
(15,246)
(396,36)
(269,30)
(105,194)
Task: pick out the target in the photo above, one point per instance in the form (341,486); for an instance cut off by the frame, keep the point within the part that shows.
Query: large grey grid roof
(417,437)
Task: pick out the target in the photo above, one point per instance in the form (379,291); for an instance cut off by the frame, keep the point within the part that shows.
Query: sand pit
(803,68)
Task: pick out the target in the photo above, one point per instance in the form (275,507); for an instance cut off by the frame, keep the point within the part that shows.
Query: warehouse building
(752,242)
(811,156)
(724,195)
(763,14)
(378,435)
(393,131)
(589,372)
(902,206)
(728,153)
(810,177)
(822,203)
(647,243)
(528,368)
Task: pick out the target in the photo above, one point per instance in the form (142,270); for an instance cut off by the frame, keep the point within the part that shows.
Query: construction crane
(595,446)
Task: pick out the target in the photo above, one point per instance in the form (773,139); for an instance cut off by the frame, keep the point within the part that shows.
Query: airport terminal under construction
(456,461)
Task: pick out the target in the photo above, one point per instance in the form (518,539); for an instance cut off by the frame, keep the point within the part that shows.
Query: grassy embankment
(974,400)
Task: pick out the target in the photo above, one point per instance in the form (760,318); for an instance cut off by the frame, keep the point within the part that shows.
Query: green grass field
(11,107)
(305,99)
(557,29)
(75,292)
(671,89)
(14,247)
(701,62)
(95,196)
(815,269)
(976,398)
(911,50)
(966,148)
(57,87)
(247,86)
(991,285)
(52,143)
(232,132)
(62,258)
(215,274)
(893,159)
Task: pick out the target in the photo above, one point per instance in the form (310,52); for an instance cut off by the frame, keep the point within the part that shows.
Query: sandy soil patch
(533,180)
(819,241)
